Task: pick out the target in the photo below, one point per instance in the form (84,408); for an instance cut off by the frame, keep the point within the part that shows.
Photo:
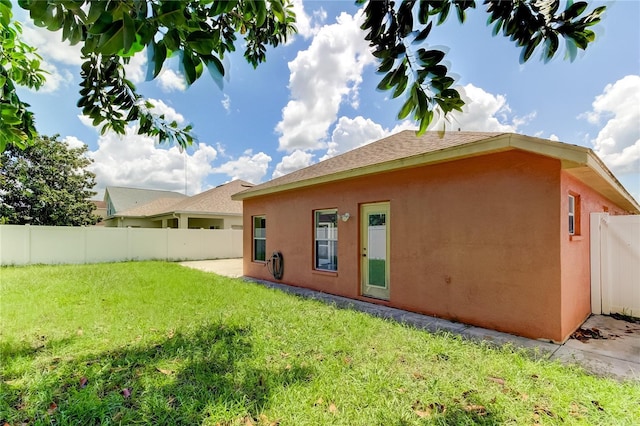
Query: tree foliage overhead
(200,33)
(46,183)
(398,30)
(19,65)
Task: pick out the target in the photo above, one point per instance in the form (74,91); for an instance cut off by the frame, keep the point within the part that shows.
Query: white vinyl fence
(24,245)
(615,264)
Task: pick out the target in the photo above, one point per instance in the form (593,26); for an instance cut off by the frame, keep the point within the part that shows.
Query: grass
(156,343)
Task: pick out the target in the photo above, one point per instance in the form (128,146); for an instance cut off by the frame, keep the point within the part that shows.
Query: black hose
(275,265)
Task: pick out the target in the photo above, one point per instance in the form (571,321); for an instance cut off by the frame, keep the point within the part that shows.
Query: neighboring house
(490,229)
(100,210)
(120,199)
(212,209)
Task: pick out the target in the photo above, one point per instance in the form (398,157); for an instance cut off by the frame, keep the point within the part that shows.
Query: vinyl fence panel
(23,245)
(615,264)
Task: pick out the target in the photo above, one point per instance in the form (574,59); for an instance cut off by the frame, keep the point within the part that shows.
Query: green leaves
(199,33)
(394,28)
(419,75)
(19,66)
(46,183)
(201,42)
(156,55)
(531,24)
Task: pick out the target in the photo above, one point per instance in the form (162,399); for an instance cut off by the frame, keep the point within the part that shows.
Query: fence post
(166,242)
(129,244)
(29,245)
(85,237)
(596,262)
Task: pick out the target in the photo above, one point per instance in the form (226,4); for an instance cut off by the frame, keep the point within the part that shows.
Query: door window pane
(377,235)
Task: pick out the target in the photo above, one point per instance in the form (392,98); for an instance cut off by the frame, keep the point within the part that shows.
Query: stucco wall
(475,240)
(576,265)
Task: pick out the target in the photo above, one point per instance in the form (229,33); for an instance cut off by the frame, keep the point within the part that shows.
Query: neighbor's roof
(128,198)
(151,208)
(405,149)
(216,201)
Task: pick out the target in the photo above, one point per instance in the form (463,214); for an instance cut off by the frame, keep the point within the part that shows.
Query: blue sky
(316,97)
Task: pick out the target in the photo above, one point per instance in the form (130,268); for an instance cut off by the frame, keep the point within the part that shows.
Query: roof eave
(202,213)
(614,189)
(570,156)
(493,144)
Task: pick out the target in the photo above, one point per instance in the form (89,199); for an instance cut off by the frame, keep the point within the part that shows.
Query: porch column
(183,221)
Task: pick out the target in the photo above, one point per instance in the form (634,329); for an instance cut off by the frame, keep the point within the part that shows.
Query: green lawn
(156,343)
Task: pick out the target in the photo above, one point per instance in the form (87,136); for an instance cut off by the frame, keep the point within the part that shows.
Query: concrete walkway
(608,347)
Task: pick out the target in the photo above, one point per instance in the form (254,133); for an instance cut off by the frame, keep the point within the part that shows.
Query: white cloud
(322,76)
(171,81)
(137,161)
(290,163)
(554,137)
(50,45)
(73,142)
(136,69)
(249,166)
(618,142)
(226,103)
(159,107)
(55,78)
(352,133)
(86,121)
(483,112)
(53,51)
(308,26)
(347,135)
(170,114)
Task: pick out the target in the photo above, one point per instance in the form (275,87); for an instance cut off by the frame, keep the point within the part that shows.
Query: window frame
(255,238)
(573,214)
(331,241)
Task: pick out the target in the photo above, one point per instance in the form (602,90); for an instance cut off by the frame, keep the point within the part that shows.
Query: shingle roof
(214,201)
(405,149)
(128,198)
(151,208)
(400,145)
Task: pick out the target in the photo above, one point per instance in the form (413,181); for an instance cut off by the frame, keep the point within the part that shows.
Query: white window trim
(331,235)
(572,214)
(254,237)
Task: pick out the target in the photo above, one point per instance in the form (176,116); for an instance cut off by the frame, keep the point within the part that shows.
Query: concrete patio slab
(598,364)
(226,267)
(615,349)
(616,354)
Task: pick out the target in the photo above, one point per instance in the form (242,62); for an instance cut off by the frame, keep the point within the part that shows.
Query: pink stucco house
(489,229)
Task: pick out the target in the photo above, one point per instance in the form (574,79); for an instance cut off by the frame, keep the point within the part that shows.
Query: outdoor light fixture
(345,217)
